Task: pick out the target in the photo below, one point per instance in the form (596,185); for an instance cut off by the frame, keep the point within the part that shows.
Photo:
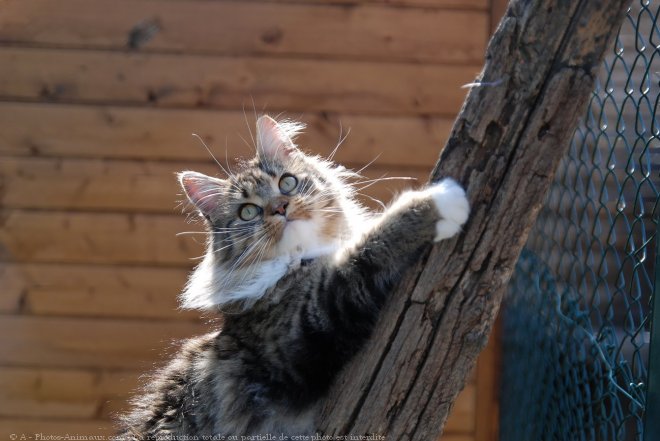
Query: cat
(301,271)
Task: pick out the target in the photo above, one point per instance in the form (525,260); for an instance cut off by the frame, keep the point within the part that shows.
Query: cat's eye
(288,183)
(248,212)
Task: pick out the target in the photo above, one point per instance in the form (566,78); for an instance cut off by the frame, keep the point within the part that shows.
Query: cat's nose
(279,207)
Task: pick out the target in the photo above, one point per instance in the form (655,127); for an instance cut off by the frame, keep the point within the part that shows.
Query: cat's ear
(275,140)
(205,192)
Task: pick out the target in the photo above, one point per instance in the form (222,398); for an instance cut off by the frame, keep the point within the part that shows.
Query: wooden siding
(98,101)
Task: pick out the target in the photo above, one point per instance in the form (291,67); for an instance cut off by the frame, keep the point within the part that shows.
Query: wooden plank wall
(98,100)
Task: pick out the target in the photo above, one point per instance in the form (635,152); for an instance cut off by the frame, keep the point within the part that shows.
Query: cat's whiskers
(323,195)
(309,205)
(371,182)
(310,191)
(238,238)
(340,142)
(257,259)
(230,280)
(245,141)
(328,210)
(322,202)
(231,172)
(238,235)
(221,248)
(233,243)
(305,189)
(320,198)
(211,153)
(240,229)
(229,276)
(358,172)
(378,201)
(249,126)
(232,229)
(249,249)
(209,193)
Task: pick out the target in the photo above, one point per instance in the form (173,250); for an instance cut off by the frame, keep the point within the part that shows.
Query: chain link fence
(576,320)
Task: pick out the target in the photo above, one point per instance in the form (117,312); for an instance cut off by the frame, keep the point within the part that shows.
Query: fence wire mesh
(576,319)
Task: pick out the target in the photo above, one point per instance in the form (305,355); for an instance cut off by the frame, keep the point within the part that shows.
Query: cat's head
(281,203)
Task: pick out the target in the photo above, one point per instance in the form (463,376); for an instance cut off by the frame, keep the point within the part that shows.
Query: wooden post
(504,147)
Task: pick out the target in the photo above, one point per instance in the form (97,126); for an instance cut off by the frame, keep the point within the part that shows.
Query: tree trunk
(505,146)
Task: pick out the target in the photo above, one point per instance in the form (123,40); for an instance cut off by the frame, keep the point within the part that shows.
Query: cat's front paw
(452,205)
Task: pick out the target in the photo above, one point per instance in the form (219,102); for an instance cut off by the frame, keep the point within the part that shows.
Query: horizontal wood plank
(442,4)
(93,291)
(360,31)
(462,418)
(149,133)
(80,393)
(229,83)
(36,236)
(61,427)
(140,186)
(89,342)
(63,393)
(75,428)
(487,403)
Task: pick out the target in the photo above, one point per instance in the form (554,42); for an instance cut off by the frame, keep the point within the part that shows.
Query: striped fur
(300,307)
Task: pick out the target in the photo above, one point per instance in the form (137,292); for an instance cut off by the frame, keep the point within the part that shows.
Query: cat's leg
(352,292)
(415,219)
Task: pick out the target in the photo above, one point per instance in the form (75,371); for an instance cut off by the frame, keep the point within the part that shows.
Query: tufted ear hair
(205,192)
(275,140)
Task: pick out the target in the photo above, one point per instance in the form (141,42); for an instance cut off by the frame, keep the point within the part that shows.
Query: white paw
(453,206)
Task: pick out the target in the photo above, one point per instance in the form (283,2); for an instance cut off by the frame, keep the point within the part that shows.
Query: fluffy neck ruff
(214,284)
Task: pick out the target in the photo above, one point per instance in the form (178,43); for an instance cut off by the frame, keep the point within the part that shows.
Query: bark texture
(505,146)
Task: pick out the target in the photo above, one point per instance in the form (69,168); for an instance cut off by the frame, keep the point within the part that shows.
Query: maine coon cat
(301,270)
